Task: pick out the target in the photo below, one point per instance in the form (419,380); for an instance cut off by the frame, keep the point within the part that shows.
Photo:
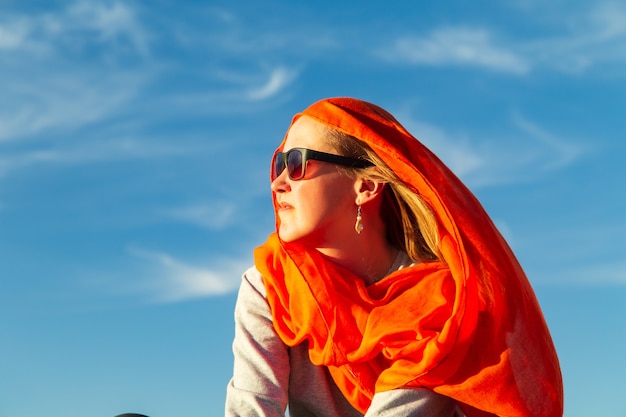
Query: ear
(367,190)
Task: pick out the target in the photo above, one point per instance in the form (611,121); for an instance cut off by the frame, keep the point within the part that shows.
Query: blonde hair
(411,224)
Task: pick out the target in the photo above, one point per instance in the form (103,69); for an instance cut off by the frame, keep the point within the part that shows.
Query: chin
(292,236)
(287,235)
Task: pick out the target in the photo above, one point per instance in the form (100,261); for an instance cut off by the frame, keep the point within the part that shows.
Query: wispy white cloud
(580,40)
(93,151)
(457,47)
(610,273)
(593,274)
(610,19)
(68,101)
(13,34)
(279,79)
(87,63)
(111,22)
(174,280)
(525,152)
(63,32)
(65,69)
(595,37)
(211,215)
(589,244)
(455,150)
(560,152)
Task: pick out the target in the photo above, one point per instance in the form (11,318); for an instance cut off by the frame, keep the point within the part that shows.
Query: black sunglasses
(295,160)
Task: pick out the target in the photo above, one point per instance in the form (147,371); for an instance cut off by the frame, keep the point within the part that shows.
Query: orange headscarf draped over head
(469,327)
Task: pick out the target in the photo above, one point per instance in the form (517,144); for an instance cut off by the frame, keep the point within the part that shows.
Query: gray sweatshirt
(270,377)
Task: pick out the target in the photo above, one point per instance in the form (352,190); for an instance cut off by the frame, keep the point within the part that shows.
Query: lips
(282,206)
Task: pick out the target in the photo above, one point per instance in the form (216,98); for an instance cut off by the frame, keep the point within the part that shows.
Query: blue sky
(135,140)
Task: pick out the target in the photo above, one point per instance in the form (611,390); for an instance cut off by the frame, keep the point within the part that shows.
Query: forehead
(308,133)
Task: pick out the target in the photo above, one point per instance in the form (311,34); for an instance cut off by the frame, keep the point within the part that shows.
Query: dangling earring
(358,226)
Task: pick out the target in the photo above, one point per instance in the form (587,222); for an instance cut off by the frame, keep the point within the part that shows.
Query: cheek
(330,203)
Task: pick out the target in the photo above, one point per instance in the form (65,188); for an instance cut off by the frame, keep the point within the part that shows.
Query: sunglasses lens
(292,160)
(294,164)
(279,165)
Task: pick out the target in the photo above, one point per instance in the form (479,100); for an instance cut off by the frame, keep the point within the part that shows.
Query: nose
(281,183)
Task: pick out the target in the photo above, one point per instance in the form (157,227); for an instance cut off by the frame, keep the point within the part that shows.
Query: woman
(386,289)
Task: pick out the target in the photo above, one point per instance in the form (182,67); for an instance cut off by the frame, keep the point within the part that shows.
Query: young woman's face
(320,208)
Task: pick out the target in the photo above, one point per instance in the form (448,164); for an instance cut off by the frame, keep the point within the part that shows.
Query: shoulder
(253,280)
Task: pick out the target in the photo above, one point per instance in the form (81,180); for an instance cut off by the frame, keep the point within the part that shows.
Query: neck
(368,256)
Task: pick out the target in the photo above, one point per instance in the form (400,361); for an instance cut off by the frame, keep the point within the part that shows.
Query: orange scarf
(470,329)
